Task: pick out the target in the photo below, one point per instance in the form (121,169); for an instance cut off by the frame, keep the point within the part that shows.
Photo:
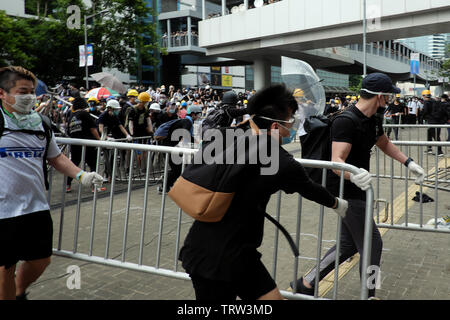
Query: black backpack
(47,124)
(217,118)
(316,144)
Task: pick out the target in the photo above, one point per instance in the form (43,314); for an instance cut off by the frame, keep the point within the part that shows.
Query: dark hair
(366,95)
(9,76)
(275,102)
(79,103)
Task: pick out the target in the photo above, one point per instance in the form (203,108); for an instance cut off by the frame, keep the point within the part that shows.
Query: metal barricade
(129,246)
(436,179)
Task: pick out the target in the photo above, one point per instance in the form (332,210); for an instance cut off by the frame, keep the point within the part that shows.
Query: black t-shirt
(80,124)
(113,123)
(393,108)
(362,137)
(220,250)
(139,118)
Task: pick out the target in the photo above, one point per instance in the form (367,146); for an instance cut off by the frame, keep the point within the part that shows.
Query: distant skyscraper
(432,45)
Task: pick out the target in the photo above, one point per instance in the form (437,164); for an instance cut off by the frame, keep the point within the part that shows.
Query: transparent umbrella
(307,88)
(110,81)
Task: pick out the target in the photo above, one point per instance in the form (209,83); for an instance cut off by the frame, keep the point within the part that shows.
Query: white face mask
(24,103)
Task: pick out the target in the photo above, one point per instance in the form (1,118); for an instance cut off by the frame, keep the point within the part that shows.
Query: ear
(2,93)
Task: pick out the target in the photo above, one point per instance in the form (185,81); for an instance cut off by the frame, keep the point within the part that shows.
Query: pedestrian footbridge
(294,27)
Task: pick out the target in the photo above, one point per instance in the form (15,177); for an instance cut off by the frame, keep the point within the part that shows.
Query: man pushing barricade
(353,134)
(26,145)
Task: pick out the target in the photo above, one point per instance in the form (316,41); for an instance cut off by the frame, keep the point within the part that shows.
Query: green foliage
(47,47)
(355,83)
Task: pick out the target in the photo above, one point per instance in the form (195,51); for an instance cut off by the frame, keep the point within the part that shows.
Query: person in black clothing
(396,110)
(81,126)
(222,257)
(352,143)
(194,113)
(115,128)
(434,112)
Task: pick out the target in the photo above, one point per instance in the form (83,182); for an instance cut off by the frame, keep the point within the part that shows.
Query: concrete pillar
(203,9)
(169,35)
(189,31)
(224,7)
(262,74)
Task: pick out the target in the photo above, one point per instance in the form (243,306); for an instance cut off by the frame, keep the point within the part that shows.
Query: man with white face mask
(26,227)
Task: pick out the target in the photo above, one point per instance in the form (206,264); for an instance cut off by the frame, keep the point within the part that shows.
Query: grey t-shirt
(22,190)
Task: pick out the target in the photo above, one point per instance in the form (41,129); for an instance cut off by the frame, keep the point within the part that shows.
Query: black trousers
(90,158)
(352,241)
(434,134)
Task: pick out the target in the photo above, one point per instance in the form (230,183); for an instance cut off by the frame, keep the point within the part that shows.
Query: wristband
(407,162)
(78,176)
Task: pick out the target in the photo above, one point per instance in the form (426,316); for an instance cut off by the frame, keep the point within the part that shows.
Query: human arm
(125,133)
(95,133)
(63,165)
(392,151)
(149,125)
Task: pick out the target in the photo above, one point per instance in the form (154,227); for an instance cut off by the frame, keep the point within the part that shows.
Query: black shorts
(249,284)
(27,237)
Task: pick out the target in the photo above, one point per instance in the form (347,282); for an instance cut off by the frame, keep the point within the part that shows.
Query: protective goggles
(295,121)
(391,96)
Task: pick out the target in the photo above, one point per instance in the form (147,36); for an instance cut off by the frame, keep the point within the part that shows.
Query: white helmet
(114,104)
(155,106)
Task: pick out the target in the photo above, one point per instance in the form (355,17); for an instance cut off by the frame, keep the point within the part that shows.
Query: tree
(355,82)
(47,47)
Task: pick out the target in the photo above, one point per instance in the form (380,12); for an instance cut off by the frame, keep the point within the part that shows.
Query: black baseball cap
(379,82)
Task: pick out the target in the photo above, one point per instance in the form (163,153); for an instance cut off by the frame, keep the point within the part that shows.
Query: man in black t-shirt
(81,126)
(352,141)
(396,109)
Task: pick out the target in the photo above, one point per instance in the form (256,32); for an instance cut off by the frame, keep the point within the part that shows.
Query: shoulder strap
(47,124)
(2,124)
(286,234)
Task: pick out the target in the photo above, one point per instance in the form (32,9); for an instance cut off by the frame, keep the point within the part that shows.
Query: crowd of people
(221,258)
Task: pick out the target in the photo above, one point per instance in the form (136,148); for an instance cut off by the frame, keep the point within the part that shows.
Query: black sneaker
(301,288)
(23,296)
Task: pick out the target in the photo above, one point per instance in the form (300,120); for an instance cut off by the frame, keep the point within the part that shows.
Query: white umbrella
(110,81)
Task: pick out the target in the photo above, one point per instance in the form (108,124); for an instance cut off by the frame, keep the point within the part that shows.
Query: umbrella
(41,88)
(101,93)
(110,81)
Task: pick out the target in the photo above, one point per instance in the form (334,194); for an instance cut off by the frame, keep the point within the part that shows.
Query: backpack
(316,144)
(205,192)
(217,118)
(47,124)
(163,130)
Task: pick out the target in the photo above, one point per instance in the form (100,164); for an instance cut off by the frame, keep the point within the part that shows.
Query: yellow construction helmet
(426,93)
(354,98)
(397,95)
(132,93)
(93,99)
(71,99)
(144,97)
(245,101)
(347,97)
(298,93)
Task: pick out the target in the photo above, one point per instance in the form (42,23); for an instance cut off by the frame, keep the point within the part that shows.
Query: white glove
(110,139)
(342,206)
(362,179)
(87,179)
(417,170)
(129,138)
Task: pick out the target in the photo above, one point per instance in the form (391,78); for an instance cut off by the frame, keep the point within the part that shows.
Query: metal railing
(113,248)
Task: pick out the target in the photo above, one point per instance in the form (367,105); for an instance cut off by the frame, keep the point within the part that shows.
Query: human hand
(87,179)
(362,179)
(341,208)
(418,171)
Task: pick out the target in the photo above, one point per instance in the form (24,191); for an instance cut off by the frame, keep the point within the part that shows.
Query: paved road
(415,265)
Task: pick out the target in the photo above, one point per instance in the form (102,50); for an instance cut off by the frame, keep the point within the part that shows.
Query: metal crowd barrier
(101,252)
(436,178)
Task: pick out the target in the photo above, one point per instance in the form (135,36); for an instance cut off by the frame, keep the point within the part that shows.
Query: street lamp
(85,43)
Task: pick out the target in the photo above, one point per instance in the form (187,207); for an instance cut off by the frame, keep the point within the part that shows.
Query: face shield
(300,77)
